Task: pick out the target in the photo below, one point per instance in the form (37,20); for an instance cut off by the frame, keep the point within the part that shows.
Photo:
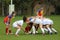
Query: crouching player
(18,25)
(48,24)
(29,25)
(7,21)
(36,21)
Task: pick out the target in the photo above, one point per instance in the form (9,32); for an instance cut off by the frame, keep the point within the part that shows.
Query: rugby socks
(53,30)
(33,29)
(6,30)
(17,31)
(46,29)
(36,28)
(9,31)
(49,30)
(42,30)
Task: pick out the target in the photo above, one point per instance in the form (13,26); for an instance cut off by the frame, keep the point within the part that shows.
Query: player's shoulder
(20,20)
(6,17)
(9,16)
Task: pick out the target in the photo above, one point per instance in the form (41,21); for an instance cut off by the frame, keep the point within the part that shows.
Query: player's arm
(9,20)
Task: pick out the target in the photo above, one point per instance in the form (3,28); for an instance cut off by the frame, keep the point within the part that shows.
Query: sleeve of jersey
(41,22)
(20,23)
(9,16)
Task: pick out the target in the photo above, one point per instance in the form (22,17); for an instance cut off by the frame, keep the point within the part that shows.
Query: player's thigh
(47,25)
(18,27)
(40,25)
(15,25)
(7,25)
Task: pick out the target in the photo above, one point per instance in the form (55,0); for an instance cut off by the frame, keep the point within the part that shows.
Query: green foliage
(7,1)
(27,6)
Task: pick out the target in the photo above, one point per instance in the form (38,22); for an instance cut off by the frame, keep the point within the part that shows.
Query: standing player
(7,21)
(40,13)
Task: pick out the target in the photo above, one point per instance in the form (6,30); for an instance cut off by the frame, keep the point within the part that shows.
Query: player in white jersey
(18,25)
(39,22)
(36,21)
(48,23)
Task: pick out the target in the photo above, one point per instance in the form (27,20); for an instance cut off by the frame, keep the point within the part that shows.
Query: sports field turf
(23,36)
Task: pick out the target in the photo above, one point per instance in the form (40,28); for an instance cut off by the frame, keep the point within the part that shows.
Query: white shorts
(15,24)
(44,22)
(50,22)
(38,21)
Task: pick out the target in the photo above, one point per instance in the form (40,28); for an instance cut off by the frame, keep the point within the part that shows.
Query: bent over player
(7,21)
(18,25)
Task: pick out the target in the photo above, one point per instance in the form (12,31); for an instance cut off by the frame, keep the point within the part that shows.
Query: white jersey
(47,21)
(16,23)
(32,20)
(36,21)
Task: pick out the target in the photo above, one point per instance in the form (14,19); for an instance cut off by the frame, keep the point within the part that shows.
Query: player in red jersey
(40,13)
(7,21)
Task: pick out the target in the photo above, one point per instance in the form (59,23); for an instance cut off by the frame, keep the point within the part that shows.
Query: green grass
(23,36)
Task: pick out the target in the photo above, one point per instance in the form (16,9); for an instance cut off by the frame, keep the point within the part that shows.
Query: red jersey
(6,19)
(39,13)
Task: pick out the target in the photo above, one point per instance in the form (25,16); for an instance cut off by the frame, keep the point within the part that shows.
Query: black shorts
(30,24)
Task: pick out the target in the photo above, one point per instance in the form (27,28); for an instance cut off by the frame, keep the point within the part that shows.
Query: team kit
(45,25)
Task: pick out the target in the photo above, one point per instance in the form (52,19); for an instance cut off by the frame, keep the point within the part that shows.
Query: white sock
(49,30)
(46,29)
(42,30)
(36,31)
(17,31)
(53,29)
(29,32)
(33,29)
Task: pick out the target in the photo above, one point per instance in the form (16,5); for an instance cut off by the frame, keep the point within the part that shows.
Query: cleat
(36,31)
(11,33)
(30,32)
(55,32)
(43,34)
(16,35)
(51,33)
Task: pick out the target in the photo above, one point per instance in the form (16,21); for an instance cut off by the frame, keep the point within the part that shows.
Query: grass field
(23,36)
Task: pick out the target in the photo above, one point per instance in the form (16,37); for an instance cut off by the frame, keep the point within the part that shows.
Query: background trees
(26,7)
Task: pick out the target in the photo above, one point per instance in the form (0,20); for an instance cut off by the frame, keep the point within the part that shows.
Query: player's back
(38,21)
(20,22)
(6,18)
(32,20)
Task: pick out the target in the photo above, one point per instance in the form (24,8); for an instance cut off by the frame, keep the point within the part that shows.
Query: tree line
(26,7)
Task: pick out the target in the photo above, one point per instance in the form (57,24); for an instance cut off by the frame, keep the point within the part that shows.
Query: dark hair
(24,18)
(13,13)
